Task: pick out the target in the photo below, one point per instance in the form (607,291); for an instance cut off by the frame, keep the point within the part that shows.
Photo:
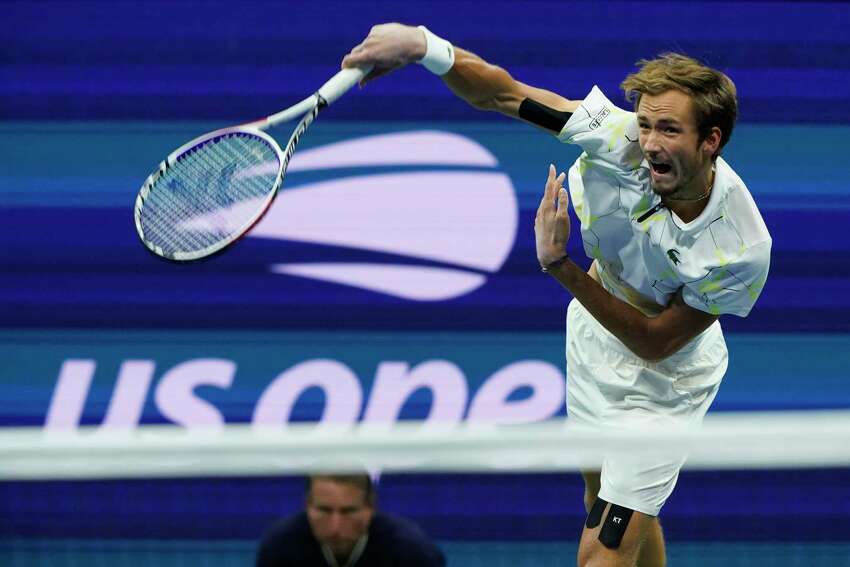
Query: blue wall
(221,60)
(93,95)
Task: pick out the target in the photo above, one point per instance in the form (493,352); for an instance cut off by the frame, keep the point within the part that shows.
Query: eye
(671,130)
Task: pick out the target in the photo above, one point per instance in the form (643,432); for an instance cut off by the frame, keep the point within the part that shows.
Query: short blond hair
(361,481)
(713,92)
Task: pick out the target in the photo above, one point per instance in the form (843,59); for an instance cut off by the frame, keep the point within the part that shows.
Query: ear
(711,143)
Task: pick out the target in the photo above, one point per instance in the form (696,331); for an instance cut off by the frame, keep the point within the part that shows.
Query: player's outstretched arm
(490,87)
(487,87)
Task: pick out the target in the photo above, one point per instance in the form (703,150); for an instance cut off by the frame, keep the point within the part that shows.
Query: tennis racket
(210,192)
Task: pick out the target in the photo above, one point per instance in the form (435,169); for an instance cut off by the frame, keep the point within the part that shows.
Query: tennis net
(765,488)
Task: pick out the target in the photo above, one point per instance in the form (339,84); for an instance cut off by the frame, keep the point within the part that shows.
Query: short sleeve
(734,287)
(607,134)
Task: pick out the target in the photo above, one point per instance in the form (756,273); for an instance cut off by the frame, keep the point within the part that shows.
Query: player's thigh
(593,553)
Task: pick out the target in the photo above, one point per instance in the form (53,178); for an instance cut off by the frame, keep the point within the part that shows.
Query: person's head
(340,509)
(686,112)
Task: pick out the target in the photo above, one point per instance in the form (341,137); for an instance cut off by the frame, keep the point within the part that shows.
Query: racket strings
(210,194)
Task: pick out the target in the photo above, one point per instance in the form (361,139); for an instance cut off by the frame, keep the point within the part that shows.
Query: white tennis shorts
(609,387)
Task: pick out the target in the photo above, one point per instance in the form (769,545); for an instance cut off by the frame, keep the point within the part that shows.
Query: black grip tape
(542,115)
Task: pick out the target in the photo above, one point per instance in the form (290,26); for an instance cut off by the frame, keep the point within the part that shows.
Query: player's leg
(623,501)
(591,488)
(613,536)
(653,552)
(601,375)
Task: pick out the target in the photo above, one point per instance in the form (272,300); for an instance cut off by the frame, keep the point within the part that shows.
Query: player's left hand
(552,224)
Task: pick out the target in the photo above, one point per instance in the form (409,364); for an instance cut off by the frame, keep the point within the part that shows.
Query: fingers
(563,202)
(547,190)
(547,193)
(552,223)
(553,186)
(387,47)
(361,56)
(554,183)
(355,57)
(367,52)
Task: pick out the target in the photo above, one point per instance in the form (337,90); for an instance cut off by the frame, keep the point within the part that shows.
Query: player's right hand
(552,223)
(387,47)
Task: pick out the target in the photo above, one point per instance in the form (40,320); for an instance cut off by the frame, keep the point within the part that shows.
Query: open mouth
(660,168)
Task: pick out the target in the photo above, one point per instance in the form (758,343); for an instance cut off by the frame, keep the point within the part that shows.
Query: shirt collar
(712,210)
(355,554)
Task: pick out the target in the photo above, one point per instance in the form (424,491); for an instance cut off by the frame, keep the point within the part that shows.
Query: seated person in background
(341,528)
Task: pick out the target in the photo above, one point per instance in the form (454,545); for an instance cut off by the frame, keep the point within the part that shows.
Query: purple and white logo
(465,220)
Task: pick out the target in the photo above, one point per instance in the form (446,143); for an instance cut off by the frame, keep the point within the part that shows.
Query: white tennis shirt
(721,257)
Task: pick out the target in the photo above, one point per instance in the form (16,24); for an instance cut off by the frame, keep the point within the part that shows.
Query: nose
(650,143)
(335,524)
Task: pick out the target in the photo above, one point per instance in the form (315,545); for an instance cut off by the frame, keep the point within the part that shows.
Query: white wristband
(440,55)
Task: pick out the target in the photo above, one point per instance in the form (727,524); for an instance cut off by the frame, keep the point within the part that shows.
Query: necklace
(705,194)
(662,205)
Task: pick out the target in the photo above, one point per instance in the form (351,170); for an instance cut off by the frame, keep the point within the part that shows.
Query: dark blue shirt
(393,542)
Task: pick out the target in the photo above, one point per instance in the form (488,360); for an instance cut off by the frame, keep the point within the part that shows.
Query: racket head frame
(168,162)
(309,108)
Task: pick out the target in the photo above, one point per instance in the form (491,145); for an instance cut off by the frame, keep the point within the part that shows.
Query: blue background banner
(395,277)
(72,258)
(222,60)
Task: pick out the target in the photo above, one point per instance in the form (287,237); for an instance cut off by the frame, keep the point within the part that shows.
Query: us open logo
(447,216)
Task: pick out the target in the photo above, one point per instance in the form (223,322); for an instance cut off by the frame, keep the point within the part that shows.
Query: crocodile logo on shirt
(673,254)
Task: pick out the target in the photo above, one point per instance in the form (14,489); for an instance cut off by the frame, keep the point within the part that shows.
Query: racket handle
(330,91)
(341,82)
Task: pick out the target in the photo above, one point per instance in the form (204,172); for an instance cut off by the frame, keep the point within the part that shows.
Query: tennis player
(676,241)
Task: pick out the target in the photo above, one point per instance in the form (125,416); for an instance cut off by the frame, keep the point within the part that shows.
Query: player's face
(338,514)
(670,143)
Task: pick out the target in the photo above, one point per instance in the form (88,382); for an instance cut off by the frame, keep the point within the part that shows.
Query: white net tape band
(730,441)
